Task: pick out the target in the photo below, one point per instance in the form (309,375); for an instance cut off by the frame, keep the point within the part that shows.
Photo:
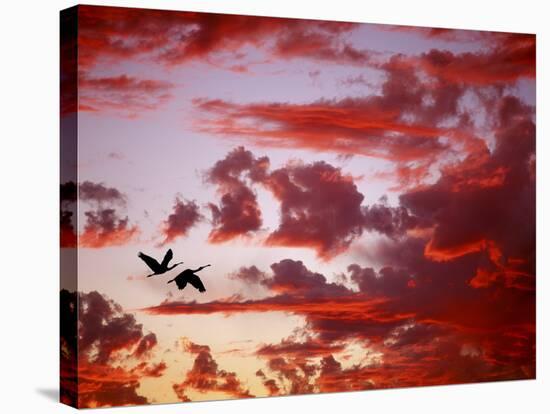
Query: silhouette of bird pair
(185,277)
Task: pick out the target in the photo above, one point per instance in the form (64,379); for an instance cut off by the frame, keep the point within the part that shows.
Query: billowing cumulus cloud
(388,282)
(99,193)
(469,205)
(205,376)
(113,352)
(105,330)
(104,226)
(238,213)
(391,221)
(185,215)
(320,208)
(248,275)
(320,205)
(293,278)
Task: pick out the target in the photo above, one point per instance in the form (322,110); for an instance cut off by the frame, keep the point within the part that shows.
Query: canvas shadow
(51,394)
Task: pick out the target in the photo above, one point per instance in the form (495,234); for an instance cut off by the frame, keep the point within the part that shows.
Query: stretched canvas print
(258,206)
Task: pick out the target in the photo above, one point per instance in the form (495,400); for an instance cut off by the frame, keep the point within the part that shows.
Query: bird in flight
(155,266)
(189,276)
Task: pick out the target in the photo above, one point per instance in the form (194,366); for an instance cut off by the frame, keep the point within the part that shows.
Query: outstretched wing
(167,257)
(180,281)
(196,282)
(149,261)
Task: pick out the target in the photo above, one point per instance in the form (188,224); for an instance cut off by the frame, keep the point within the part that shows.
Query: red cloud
(205,376)
(184,216)
(123,95)
(239,213)
(68,311)
(104,228)
(106,338)
(68,62)
(438,361)
(145,345)
(68,196)
(438,32)
(471,212)
(334,378)
(105,330)
(249,275)
(388,282)
(107,33)
(108,386)
(320,208)
(97,192)
(175,38)
(355,304)
(67,235)
(293,278)
(269,383)
(301,350)
(511,57)
(319,45)
(296,373)
(391,221)
(504,57)
(350,126)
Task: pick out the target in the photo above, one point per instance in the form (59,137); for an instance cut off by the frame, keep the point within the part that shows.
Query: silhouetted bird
(156,267)
(189,276)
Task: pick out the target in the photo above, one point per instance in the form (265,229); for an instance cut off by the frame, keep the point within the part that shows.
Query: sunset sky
(365,195)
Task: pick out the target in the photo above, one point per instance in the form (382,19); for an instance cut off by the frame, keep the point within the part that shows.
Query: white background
(29,146)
